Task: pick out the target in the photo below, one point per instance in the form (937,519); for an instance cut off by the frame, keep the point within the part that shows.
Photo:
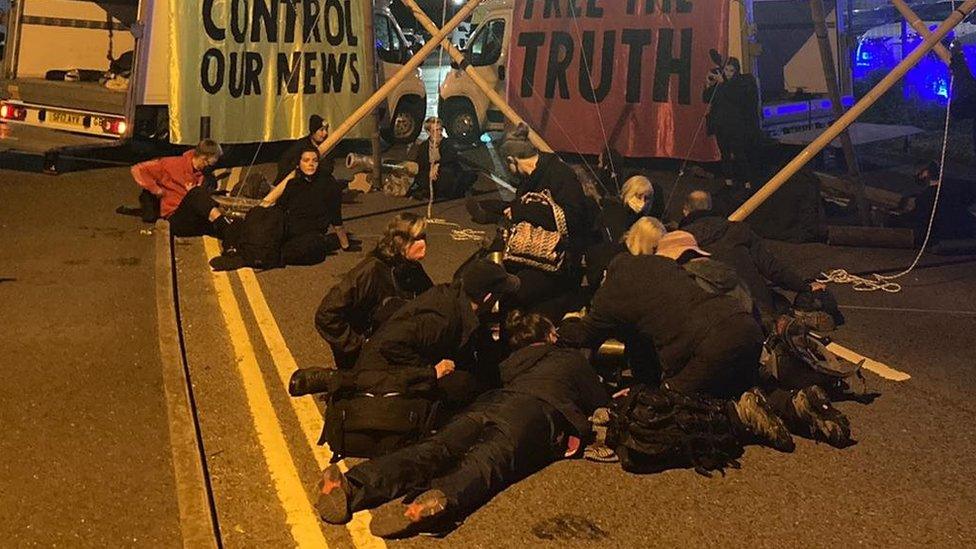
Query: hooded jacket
(562,378)
(169,178)
(354,308)
(435,326)
(658,299)
(736,245)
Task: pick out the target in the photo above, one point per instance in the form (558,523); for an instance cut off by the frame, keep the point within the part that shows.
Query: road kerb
(197,526)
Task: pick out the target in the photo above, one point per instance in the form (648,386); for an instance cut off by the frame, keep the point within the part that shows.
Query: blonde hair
(635,185)
(208,147)
(402,229)
(644,235)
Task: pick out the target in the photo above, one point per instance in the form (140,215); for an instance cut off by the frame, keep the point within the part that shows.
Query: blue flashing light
(928,80)
(793,108)
(826,104)
(767,112)
(847,101)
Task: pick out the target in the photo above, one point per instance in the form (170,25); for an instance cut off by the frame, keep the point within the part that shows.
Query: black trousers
(500,439)
(305,249)
(192,217)
(725,363)
(740,158)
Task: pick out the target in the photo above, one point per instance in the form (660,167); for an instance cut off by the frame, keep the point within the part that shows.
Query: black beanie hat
(316,122)
(484,277)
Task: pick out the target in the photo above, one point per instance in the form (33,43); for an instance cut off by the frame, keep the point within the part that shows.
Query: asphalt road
(84,444)
(86,452)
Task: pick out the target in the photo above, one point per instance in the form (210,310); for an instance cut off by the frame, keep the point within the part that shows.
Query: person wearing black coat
(705,343)
(312,202)
(374,289)
(733,117)
(424,339)
(538,171)
(438,159)
(735,244)
(539,416)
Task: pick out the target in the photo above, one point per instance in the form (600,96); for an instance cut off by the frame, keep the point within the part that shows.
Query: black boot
(309,381)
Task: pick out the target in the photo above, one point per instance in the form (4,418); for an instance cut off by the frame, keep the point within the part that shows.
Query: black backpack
(653,430)
(258,240)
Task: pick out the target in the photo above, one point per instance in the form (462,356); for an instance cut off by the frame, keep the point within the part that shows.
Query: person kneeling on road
(177,183)
(374,289)
(538,417)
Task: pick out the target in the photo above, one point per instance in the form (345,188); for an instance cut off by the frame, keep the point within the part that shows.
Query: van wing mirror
(501,73)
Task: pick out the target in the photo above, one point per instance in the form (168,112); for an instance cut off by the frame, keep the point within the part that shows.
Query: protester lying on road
(318,132)
(312,202)
(176,182)
(735,244)
(538,417)
(374,289)
(407,369)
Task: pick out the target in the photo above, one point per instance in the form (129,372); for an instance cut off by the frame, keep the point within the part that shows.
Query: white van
(57,49)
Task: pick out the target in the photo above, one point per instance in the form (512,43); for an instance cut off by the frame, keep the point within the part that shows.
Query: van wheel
(463,124)
(406,123)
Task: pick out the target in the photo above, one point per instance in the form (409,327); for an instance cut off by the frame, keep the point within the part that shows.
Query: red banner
(629,73)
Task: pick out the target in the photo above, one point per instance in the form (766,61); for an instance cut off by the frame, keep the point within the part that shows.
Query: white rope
(875,281)
(458,232)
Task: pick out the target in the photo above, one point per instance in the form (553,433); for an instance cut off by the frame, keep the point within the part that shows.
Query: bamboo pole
(830,75)
(373,82)
(851,115)
(482,84)
(380,95)
(920,28)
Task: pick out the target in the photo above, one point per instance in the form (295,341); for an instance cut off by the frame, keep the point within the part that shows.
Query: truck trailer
(101,70)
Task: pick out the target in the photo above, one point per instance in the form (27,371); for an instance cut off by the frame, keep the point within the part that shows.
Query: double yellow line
(300,513)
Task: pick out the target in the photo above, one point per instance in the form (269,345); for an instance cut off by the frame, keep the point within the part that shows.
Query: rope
(440,74)
(886,283)
(458,232)
(301,48)
(684,163)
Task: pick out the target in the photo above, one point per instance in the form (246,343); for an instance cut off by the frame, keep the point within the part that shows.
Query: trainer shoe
(333,502)
(761,422)
(396,520)
(815,411)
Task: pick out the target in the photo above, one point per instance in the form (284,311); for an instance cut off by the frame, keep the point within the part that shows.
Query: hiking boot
(826,423)
(757,417)
(600,453)
(398,520)
(310,381)
(333,502)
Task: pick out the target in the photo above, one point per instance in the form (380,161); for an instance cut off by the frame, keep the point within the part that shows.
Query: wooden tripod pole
(380,95)
(372,81)
(850,116)
(833,90)
(483,85)
(920,28)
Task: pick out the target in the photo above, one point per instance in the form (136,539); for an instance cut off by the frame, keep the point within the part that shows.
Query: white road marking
(872,365)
